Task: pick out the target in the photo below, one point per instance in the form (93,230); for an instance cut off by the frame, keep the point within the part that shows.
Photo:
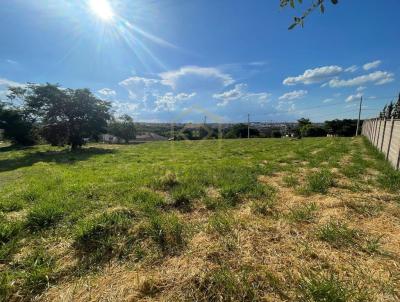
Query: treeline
(59,116)
(391,110)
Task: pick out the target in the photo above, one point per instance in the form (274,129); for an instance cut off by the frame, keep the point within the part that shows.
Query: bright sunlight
(102,9)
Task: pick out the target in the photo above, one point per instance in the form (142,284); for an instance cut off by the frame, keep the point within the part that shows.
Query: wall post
(390,138)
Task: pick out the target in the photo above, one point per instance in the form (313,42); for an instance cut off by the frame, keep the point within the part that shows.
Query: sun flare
(102,9)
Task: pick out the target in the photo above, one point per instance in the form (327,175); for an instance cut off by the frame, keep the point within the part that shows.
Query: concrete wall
(384,134)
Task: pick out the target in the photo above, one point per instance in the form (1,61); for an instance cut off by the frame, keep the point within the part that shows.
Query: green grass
(102,237)
(144,203)
(317,288)
(338,234)
(318,182)
(303,213)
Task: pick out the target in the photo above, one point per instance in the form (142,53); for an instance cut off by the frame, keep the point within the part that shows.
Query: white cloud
(293,95)
(377,77)
(139,88)
(236,93)
(240,92)
(327,100)
(107,92)
(168,101)
(7,83)
(361,88)
(354,97)
(125,107)
(316,75)
(188,74)
(372,65)
(352,68)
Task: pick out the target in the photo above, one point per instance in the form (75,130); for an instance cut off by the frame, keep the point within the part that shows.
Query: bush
(44,215)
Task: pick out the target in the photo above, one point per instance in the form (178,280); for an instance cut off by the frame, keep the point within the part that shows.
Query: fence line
(384,134)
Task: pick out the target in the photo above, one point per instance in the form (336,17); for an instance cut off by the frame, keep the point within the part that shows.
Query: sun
(102,9)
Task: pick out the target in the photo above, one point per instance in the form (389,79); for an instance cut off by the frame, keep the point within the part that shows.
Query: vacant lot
(231,220)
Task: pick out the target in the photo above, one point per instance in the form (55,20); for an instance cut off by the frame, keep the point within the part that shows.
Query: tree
(64,115)
(316,4)
(312,131)
(383,112)
(345,127)
(303,122)
(240,131)
(388,112)
(396,109)
(123,128)
(17,127)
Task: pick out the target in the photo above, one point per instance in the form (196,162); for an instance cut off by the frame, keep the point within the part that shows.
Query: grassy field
(232,220)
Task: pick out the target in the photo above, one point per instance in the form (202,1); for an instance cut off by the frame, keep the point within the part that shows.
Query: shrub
(44,215)
(167,231)
(104,236)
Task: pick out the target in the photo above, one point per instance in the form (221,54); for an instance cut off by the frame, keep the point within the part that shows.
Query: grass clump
(38,267)
(264,206)
(184,195)
(223,284)
(319,182)
(338,234)
(290,181)
(221,222)
(8,231)
(168,231)
(303,213)
(318,288)
(104,236)
(168,181)
(365,208)
(44,215)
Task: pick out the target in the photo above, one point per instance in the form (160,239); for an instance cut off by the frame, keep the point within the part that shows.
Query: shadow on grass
(61,157)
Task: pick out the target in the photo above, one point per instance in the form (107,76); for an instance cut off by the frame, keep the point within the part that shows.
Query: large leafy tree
(64,115)
(315,4)
(17,127)
(123,127)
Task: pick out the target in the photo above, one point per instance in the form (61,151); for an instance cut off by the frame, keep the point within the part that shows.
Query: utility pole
(205,120)
(248,125)
(359,116)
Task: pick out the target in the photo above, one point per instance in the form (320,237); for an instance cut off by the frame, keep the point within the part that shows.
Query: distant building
(149,137)
(109,139)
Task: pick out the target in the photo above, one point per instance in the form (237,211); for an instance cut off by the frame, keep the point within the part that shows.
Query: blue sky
(176,60)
